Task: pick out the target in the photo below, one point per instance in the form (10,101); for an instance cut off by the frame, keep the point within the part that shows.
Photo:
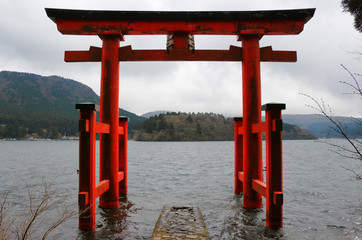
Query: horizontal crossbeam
(241,176)
(100,127)
(103,186)
(259,187)
(126,53)
(259,127)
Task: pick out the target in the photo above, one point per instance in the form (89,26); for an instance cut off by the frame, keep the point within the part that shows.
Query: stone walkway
(180,222)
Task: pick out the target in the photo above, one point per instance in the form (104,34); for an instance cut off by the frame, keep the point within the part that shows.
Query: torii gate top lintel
(96,22)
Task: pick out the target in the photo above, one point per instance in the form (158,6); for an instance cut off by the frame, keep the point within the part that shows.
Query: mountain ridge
(38,106)
(44,106)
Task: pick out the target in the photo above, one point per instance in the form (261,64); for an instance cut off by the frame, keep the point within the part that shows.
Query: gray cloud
(30,42)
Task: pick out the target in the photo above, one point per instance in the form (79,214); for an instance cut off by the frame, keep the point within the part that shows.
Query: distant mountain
(154,113)
(199,127)
(320,125)
(34,105)
(309,123)
(38,106)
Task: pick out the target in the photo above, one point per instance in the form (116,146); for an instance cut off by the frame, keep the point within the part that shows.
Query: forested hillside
(44,107)
(199,127)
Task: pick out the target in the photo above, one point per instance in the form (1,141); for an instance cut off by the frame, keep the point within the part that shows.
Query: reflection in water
(111,222)
(247,223)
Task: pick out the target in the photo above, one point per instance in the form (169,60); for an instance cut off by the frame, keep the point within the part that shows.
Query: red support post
(274,166)
(123,122)
(87,146)
(180,40)
(238,139)
(252,149)
(109,113)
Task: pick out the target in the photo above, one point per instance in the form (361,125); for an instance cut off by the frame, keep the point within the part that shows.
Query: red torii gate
(248,26)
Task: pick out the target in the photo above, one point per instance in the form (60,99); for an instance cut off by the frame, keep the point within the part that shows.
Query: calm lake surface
(320,199)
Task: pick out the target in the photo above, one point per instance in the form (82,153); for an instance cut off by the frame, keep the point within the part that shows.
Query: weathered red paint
(259,187)
(102,187)
(272,190)
(122,165)
(109,113)
(234,54)
(88,189)
(238,139)
(87,146)
(252,149)
(274,167)
(231,27)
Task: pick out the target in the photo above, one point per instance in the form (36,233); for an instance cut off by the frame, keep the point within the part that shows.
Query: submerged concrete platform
(180,222)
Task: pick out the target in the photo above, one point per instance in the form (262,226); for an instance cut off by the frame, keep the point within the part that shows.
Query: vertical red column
(274,165)
(109,114)
(252,150)
(238,139)
(123,122)
(87,146)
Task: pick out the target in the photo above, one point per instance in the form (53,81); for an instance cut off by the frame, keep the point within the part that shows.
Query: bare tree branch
(35,222)
(337,126)
(355,145)
(355,87)
(357,176)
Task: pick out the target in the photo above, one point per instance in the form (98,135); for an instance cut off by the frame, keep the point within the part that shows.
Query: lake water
(321,201)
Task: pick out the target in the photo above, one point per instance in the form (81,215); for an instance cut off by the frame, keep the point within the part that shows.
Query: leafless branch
(66,214)
(35,220)
(355,145)
(357,176)
(337,126)
(356,88)
(5,226)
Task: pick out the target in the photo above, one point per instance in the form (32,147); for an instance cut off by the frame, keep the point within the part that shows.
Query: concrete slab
(180,222)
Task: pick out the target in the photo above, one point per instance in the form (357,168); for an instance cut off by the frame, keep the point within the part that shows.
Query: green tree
(149,125)
(53,133)
(198,128)
(162,124)
(171,131)
(189,119)
(355,8)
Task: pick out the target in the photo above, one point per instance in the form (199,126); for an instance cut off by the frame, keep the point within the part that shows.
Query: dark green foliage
(185,127)
(44,107)
(161,124)
(294,132)
(355,8)
(199,127)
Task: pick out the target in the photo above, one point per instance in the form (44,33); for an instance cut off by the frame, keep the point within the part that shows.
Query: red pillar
(252,153)
(123,155)
(109,114)
(238,139)
(87,146)
(274,166)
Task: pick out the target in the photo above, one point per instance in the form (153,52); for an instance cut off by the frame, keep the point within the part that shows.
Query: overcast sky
(30,42)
